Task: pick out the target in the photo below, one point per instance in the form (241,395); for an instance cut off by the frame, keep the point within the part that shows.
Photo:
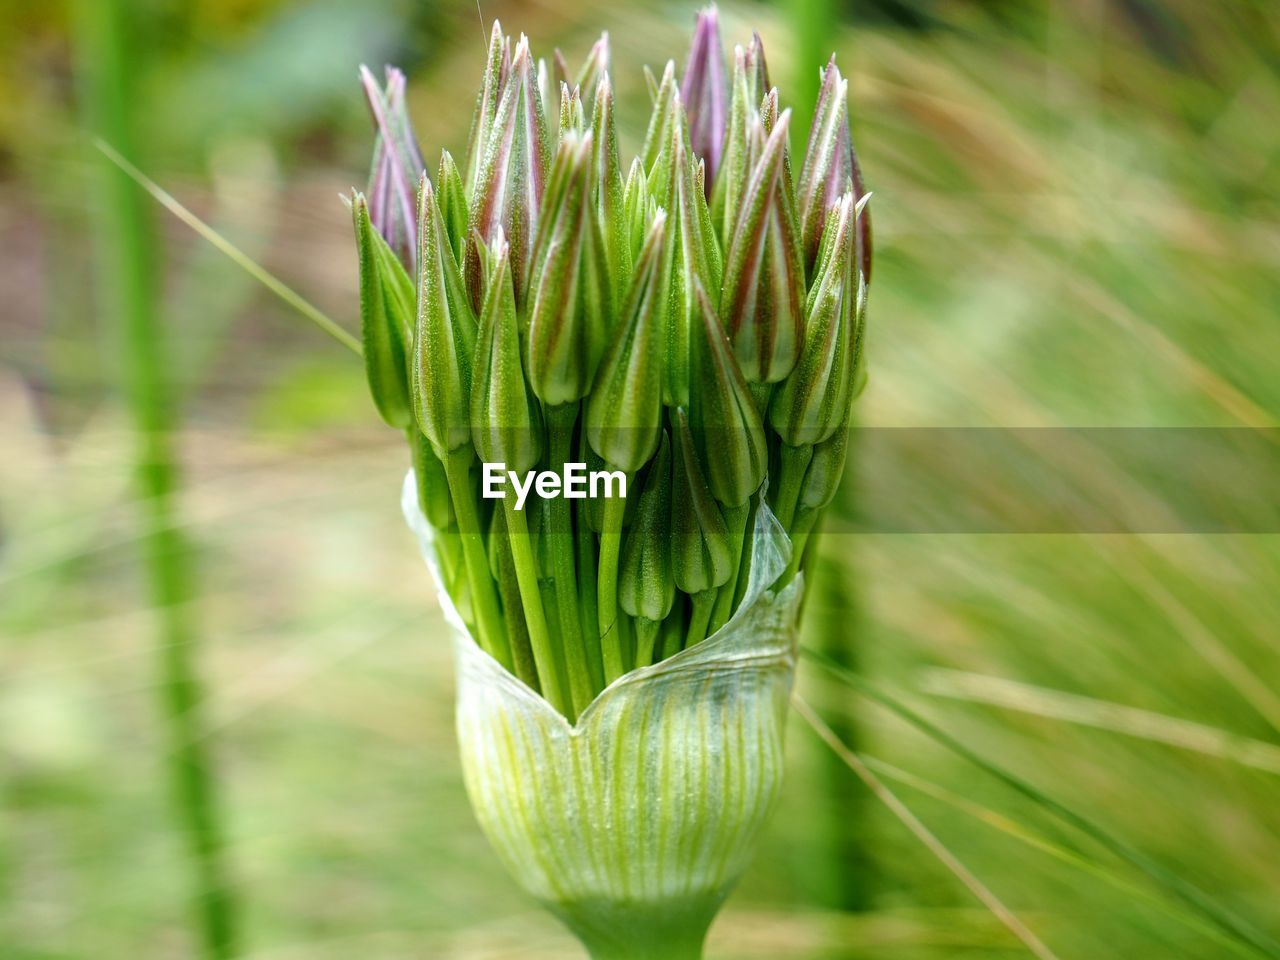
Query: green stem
(560,421)
(673,629)
(509,591)
(735,518)
(544,656)
(585,542)
(646,638)
(800,542)
(125,250)
(607,590)
(795,463)
(704,604)
(484,597)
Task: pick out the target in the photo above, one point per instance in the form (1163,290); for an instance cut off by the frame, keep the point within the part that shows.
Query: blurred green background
(1077,207)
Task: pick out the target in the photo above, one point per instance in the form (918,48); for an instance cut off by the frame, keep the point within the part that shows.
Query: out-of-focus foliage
(1076,216)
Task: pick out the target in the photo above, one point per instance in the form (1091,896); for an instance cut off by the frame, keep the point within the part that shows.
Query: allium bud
(646,587)
(726,425)
(704,92)
(730,183)
(444,335)
(762,299)
(830,164)
(512,178)
(813,401)
(452,197)
(826,468)
(665,98)
(624,412)
(397,165)
(572,119)
(386,312)
(570,296)
(506,424)
(610,204)
(695,255)
(757,69)
(701,557)
(496,70)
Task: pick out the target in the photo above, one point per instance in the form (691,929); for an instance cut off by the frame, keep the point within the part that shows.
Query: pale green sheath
(633,824)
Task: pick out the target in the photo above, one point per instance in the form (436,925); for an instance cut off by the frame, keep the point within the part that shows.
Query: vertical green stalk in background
(812,32)
(835,615)
(125,257)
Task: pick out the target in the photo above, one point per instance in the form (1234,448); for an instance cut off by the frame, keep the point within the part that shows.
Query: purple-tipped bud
(705,92)
(814,400)
(830,163)
(513,176)
(397,165)
(506,423)
(444,335)
(646,587)
(496,69)
(726,426)
(762,298)
(701,557)
(570,295)
(386,318)
(624,412)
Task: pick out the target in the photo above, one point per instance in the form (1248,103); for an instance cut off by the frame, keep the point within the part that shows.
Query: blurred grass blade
(1039,841)
(1102,715)
(924,834)
(1239,928)
(238,256)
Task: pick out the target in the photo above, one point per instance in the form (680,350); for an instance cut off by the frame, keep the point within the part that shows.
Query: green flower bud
(826,469)
(513,177)
(570,294)
(452,197)
(433,484)
(701,557)
(813,401)
(646,587)
(726,425)
(386,311)
(572,119)
(694,252)
(624,411)
(397,165)
(665,98)
(606,180)
(506,423)
(497,69)
(762,298)
(444,336)
(703,91)
(637,209)
(731,181)
(757,69)
(830,163)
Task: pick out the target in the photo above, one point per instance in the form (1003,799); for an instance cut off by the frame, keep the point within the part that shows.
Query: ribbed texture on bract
(634,823)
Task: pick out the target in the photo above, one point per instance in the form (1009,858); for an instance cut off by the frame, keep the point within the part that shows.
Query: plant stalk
(484,597)
(126,254)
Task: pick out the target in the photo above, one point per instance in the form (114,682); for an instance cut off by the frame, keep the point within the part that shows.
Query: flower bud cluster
(694,321)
